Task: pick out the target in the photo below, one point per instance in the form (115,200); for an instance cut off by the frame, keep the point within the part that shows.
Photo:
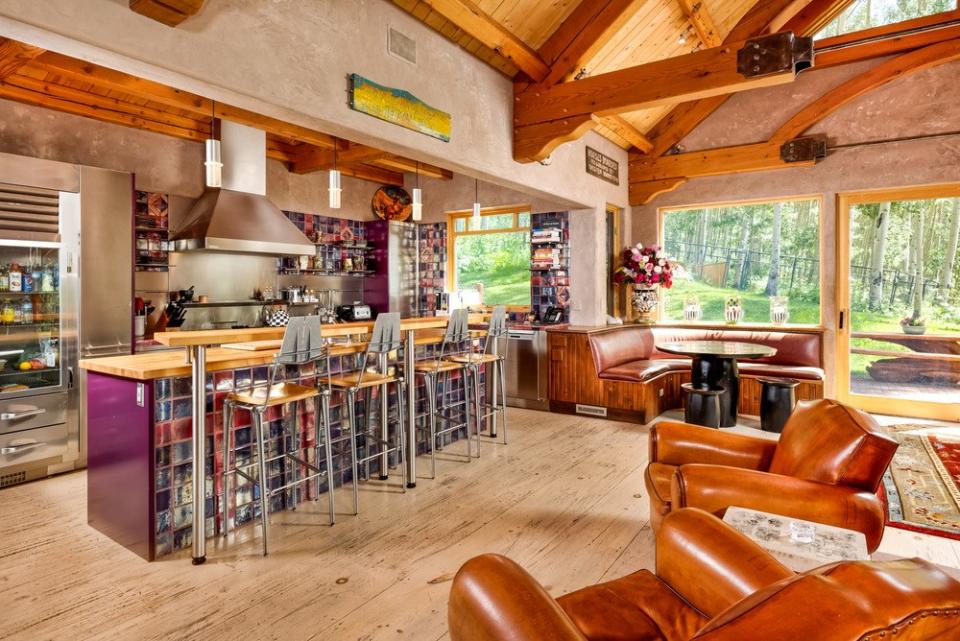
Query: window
(750,251)
(866,14)
(494,254)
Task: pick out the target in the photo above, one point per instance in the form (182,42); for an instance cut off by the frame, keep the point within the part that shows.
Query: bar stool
(702,405)
(496,357)
(778,398)
(374,372)
(302,345)
(436,374)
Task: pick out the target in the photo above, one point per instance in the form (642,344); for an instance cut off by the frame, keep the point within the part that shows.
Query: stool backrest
(456,337)
(497,331)
(385,337)
(302,342)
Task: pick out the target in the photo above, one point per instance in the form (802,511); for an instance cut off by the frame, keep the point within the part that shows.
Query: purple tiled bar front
(139,481)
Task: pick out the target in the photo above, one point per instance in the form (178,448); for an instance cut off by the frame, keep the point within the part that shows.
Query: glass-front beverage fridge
(63,228)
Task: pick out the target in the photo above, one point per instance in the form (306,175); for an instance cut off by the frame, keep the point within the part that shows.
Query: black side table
(778,398)
(702,405)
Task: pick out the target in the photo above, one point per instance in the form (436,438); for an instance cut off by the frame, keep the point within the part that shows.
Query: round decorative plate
(392,203)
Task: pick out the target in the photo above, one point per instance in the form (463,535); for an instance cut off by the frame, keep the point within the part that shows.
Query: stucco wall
(290,59)
(924,103)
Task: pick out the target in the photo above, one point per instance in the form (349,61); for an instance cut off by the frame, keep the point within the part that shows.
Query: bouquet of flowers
(644,266)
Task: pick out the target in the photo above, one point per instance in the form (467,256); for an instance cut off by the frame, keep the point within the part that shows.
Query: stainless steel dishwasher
(526,369)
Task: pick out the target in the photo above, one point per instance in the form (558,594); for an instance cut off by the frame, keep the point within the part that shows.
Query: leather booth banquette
(622,370)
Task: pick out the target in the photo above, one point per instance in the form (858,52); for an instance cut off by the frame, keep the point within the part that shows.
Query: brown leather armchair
(825,468)
(712,584)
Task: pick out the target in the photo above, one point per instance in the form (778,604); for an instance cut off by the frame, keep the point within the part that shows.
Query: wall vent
(6,480)
(402,46)
(592,410)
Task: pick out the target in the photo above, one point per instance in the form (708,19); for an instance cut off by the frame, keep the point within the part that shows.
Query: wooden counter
(152,365)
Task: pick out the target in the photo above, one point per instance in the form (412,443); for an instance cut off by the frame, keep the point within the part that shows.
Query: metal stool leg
(501,367)
(351,398)
(262,476)
(367,419)
(325,418)
(384,430)
(476,405)
(431,384)
(464,375)
(227,432)
(401,437)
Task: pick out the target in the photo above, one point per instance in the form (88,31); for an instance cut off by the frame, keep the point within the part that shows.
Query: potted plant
(913,325)
(733,310)
(644,270)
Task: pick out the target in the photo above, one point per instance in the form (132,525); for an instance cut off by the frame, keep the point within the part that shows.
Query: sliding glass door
(899,301)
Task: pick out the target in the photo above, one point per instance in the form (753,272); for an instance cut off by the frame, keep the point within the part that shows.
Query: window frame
(453,234)
(823,249)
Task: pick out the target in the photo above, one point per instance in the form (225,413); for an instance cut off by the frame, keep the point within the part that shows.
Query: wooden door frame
(877,404)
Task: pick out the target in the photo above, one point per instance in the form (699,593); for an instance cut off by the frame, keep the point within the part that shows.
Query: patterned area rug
(922,484)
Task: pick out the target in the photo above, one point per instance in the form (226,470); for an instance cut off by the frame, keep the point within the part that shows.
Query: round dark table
(715,366)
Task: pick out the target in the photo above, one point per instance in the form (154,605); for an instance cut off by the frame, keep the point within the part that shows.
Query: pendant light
(335,180)
(417,198)
(476,203)
(212,160)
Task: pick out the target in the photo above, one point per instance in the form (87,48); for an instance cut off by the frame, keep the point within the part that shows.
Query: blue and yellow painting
(399,107)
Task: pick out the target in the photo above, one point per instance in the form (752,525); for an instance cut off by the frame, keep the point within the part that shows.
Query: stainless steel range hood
(239,218)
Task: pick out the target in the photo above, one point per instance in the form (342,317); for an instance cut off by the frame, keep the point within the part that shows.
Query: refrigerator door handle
(16,449)
(70,377)
(12,416)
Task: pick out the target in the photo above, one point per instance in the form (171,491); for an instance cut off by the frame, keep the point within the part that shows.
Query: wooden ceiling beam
(684,118)
(473,20)
(585,31)
(374,174)
(893,45)
(815,16)
(412,166)
(14,55)
(41,99)
(317,159)
(168,12)
(106,78)
(766,155)
(699,16)
(887,71)
(625,130)
(700,74)
(642,193)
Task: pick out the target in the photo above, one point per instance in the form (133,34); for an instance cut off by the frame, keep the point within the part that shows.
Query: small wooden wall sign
(399,107)
(602,166)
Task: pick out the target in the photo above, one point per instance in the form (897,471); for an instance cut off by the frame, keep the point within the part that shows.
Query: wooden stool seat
(474,358)
(437,366)
(354,380)
(279,394)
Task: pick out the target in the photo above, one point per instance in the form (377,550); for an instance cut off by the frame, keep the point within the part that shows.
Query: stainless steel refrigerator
(66,281)
(393,287)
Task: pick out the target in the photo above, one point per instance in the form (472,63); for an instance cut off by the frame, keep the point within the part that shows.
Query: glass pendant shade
(213,163)
(476,212)
(476,204)
(417,204)
(335,189)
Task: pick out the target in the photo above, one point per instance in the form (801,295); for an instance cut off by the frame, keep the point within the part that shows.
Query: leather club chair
(826,468)
(711,584)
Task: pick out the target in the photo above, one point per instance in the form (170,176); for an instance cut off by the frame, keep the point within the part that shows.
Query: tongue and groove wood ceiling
(650,30)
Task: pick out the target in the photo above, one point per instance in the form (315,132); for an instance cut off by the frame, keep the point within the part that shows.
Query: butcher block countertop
(151,365)
(245,347)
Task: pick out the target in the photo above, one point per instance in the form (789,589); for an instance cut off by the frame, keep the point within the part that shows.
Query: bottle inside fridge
(29,319)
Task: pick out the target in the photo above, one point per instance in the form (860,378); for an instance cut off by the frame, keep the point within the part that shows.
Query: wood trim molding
(14,55)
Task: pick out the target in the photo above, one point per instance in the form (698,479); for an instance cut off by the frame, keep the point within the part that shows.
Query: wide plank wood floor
(565,499)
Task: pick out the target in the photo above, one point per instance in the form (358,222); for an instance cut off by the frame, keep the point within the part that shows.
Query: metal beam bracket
(804,149)
(775,54)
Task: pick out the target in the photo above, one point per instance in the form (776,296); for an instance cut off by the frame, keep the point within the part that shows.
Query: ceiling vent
(402,46)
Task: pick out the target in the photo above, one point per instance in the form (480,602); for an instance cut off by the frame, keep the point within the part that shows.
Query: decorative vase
(779,310)
(691,310)
(645,301)
(914,330)
(732,314)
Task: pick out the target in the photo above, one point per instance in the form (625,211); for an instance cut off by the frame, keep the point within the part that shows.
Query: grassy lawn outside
(756,308)
(509,286)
